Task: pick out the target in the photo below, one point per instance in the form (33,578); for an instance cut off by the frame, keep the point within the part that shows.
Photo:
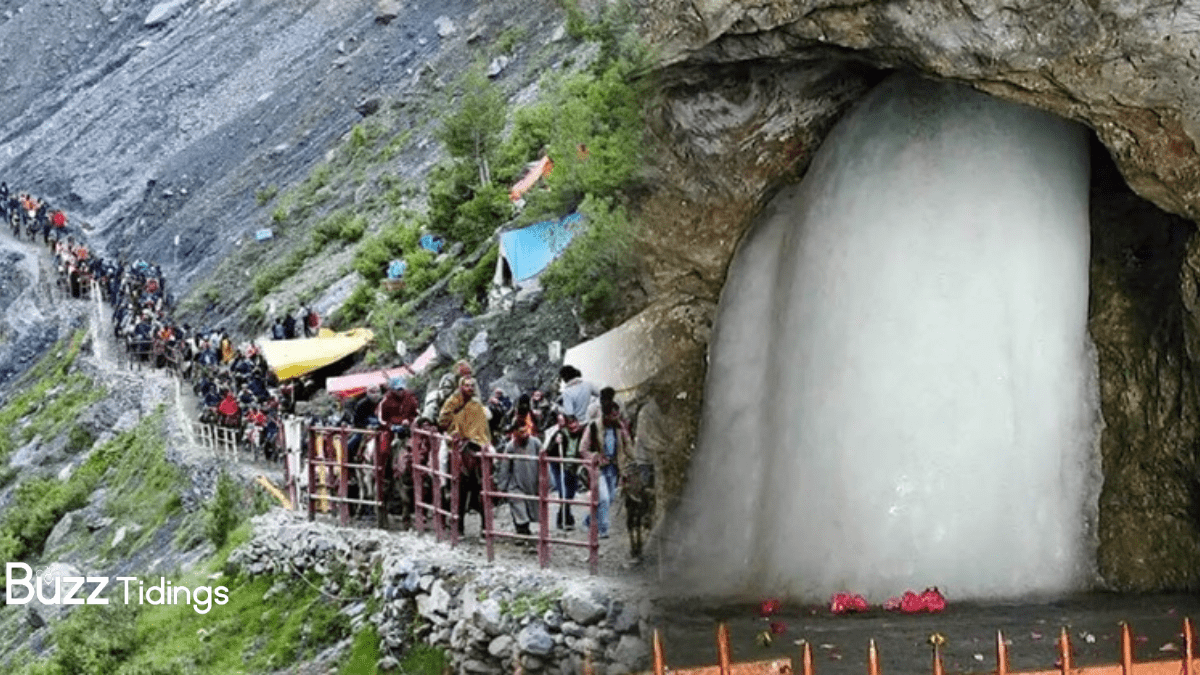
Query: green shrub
(589,271)
(358,305)
(364,653)
(221,514)
(39,503)
(507,40)
(471,131)
(341,225)
(472,285)
(477,218)
(81,648)
(265,194)
(372,257)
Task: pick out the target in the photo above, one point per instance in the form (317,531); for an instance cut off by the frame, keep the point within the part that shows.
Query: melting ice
(901,387)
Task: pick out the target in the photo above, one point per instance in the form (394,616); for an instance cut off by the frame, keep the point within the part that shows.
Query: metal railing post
(543,510)
(594,506)
(312,474)
(488,511)
(383,450)
(457,519)
(343,449)
(418,477)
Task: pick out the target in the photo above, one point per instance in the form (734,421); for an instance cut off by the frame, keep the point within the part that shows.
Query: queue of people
(237,389)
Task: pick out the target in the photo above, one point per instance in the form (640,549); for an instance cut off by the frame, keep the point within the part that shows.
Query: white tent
(624,358)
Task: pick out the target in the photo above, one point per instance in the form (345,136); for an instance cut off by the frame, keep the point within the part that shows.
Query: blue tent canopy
(433,243)
(530,250)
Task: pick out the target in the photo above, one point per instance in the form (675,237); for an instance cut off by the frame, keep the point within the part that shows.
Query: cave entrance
(915,316)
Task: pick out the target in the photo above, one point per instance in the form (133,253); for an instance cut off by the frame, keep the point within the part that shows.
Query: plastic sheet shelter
(349,386)
(293,358)
(526,252)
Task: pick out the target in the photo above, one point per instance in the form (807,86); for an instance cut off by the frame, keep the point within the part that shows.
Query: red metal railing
(544,500)
(330,467)
(1189,666)
(424,448)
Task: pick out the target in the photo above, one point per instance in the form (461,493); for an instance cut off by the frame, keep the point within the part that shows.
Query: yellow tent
(293,358)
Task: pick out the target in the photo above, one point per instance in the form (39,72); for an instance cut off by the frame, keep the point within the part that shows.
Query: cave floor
(840,642)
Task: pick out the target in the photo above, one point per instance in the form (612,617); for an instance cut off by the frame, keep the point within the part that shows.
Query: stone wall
(488,616)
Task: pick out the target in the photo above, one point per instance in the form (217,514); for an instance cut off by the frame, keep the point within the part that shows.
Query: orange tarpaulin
(537,169)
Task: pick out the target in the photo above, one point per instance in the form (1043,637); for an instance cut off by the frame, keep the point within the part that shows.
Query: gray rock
(412,583)
(386,11)
(553,620)
(631,651)
(435,605)
(445,27)
(164,12)
(501,646)
(387,664)
(623,617)
(354,609)
(368,106)
(533,639)
(572,629)
(530,662)
(478,346)
(497,66)
(459,636)
(477,666)
(65,526)
(587,646)
(582,607)
(487,616)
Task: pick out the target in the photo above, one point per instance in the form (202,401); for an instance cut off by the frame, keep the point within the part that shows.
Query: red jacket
(398,407)
(229,406)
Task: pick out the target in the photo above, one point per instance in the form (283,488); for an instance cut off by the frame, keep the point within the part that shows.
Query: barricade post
(343,478)
(543,509)
(383,449)
(594,507)
(457,520)
(313,488)
(488,509)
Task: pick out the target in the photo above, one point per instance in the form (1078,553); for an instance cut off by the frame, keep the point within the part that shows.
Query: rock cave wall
(749,91)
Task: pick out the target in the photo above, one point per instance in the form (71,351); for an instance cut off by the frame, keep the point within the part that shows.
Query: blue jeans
(563,478)
(608,473)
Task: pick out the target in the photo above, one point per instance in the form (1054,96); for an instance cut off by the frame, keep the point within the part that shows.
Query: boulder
(445,27)
(386,11)
(487,615)
(497,66)
(368,106)
(632,652)
(534,640)
(501,647)
(582,607)
(164,12)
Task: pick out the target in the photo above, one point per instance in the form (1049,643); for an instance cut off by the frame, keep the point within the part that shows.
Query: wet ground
(840,642)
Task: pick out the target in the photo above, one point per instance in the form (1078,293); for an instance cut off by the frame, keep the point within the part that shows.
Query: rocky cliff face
(154,124)
(750,89)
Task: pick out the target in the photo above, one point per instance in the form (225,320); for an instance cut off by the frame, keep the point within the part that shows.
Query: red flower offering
(769,607)
(778,628)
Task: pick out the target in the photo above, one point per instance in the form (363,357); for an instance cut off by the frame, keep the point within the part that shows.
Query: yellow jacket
(468,420)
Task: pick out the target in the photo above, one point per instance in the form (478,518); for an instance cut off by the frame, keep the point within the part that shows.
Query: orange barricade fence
(1187,665)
